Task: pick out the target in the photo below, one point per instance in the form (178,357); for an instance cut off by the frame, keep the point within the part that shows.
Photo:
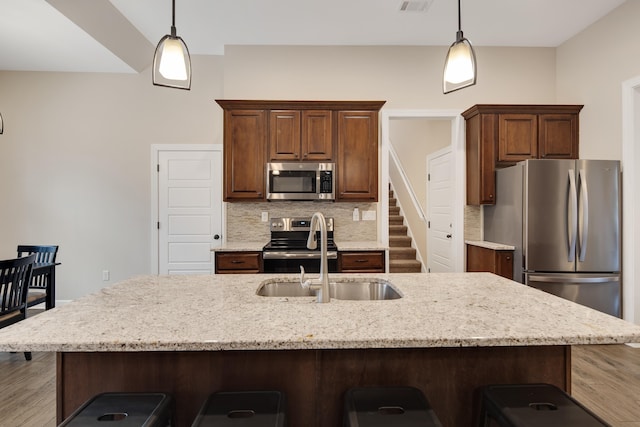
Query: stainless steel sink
(342,289)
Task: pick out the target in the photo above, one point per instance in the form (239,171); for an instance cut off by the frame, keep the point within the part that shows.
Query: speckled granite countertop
(342,245)
(240,247)
(222,312)
(490,245)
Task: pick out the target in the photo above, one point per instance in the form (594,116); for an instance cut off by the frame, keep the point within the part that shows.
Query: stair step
(402,253)
(404,266)
(397,230)
(394,210)
(396,220)
(392,201)
(396,241)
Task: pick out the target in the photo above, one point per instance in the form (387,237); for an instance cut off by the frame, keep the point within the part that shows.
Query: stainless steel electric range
(287,249)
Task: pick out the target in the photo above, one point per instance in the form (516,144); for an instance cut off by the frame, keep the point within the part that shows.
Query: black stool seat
(125,410)
(243,409)
(534,405)
(388,406)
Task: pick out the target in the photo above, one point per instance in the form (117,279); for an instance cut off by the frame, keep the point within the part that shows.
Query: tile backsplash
(244,221)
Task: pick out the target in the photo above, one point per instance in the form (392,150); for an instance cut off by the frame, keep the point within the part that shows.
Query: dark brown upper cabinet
(344,132)
(502,135)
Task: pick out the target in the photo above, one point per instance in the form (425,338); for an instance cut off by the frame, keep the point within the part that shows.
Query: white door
(189,210)
(440,212)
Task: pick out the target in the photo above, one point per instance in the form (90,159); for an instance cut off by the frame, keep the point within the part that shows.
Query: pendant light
(171,61)
(460,66)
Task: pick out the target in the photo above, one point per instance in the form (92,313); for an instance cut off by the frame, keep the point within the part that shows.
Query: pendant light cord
(459,20)
(173,18)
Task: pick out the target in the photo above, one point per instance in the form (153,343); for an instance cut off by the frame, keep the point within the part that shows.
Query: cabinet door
(357,161)
(317,141)
(481,134)
(245,140)
(284,135)
(517,137)
(558,136)
(499,262)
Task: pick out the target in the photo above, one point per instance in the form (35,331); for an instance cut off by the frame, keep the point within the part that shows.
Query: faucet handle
(303,283)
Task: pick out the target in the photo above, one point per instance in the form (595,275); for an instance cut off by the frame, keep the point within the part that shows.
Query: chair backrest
(15,275)
(43,253)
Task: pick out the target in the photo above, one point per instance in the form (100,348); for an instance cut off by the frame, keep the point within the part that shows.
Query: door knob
(448,236)
(216,237)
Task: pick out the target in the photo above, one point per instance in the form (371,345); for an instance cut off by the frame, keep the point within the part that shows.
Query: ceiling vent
(415,5)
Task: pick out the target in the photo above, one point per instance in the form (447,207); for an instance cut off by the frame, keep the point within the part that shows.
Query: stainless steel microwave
(300,181)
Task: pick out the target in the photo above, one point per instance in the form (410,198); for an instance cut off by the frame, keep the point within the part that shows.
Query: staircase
(402,257)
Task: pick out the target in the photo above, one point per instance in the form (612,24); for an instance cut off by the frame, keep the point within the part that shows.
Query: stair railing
(407,185)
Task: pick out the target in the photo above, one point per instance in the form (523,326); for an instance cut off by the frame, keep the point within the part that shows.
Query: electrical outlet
(265,216)
(105,275)
(368,215)
(356,214)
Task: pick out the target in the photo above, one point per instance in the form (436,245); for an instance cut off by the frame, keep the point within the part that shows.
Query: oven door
(290,262)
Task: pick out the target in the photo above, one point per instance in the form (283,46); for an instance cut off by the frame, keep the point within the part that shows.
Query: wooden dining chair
(15,276)
(38,287)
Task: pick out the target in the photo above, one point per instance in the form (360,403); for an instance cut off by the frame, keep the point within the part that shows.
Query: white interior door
(440,212)
(189,210)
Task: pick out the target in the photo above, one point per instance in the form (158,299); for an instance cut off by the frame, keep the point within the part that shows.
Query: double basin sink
(341,289)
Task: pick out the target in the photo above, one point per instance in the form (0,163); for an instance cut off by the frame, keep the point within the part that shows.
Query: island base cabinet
(314,381)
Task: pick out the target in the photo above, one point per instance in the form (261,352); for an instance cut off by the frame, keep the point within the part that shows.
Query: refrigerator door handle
(554,279)
(584,216)
(572,216)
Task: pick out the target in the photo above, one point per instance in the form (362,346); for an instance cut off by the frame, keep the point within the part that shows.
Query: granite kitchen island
(194,335)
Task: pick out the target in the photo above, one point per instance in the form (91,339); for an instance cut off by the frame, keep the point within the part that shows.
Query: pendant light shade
(460,66)
(171,61)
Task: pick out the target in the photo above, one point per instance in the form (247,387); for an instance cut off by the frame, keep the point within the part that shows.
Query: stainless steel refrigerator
(564,219)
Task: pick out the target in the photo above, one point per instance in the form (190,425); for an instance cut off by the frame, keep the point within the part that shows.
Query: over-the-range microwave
(300,181)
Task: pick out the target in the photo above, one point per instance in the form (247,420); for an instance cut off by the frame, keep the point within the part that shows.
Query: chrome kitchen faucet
(320,283)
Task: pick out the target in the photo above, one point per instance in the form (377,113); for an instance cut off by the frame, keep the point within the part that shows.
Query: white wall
(590,70)
(74,163)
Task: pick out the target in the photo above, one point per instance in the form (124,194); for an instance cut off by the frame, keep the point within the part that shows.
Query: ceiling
(120,35)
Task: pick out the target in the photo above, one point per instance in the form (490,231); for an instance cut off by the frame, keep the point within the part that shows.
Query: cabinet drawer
(238,262)
(361,262)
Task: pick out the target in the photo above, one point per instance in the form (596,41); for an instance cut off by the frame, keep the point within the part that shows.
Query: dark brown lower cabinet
(238,262)
(499,262)
(361,262)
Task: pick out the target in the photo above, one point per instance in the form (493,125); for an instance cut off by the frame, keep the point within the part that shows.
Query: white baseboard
(633,344)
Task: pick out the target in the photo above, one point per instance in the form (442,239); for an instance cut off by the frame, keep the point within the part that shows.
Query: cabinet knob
(508,258)
(491,196)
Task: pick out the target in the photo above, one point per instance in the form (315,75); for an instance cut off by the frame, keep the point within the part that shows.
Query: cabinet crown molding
(521,108)
(298,105)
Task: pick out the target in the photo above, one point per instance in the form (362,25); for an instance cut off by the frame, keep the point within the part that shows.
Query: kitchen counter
(342,246)
(193,335)
(361,246)
(222,312)
(490,245)
(240,247)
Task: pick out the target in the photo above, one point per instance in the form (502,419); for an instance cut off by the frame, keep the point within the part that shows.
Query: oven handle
(297,255)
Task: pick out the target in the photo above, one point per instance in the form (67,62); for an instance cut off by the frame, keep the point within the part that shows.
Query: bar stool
(128,409)
(244,408)
(388,406)
(533,405)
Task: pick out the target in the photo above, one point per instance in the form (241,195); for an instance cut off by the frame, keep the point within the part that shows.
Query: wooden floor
(605,378)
